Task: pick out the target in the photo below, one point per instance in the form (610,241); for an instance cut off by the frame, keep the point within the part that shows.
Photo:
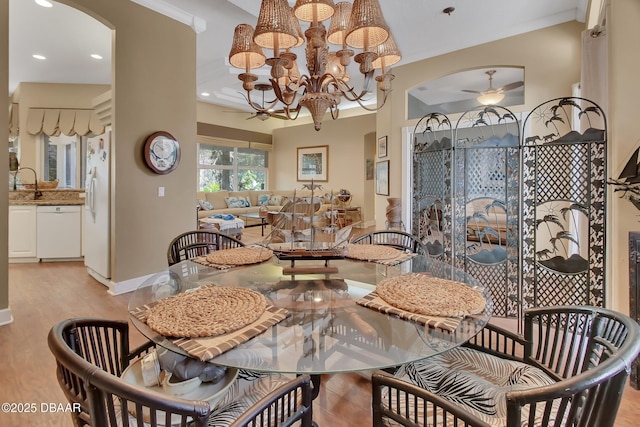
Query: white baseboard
(118,288)
(5,316)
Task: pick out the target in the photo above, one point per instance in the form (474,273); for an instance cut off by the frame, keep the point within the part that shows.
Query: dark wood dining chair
(289,403)
(568,369)
(91,354)
(197,243)
(398,239)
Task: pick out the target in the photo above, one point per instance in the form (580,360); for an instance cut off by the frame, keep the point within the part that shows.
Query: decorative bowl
(42,185)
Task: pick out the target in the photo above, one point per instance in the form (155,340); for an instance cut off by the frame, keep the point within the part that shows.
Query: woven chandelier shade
(275,29)
(388,54)
(313,10)
(245,53)
(340,24)
(367,27)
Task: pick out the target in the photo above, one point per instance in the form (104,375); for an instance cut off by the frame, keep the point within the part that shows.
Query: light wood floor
(45,293)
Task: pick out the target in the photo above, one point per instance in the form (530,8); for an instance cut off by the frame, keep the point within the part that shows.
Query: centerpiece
(297,236)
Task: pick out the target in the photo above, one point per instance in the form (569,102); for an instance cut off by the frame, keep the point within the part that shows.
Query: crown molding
(197,24)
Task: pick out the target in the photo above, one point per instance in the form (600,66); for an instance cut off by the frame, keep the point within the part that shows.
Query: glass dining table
(325,331)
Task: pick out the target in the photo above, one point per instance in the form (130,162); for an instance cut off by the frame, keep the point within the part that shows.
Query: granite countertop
(55,197)
(51,202)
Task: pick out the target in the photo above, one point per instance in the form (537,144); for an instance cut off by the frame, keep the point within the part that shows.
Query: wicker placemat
(257,254)
(373,301)
(431,296)
(381,254)
(205,348)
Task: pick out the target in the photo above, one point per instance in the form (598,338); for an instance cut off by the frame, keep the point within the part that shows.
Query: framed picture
(382,146)
(369,169)
(312,163)
(382,178)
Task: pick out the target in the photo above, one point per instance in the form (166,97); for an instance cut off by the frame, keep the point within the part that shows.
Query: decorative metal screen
(526,219)
(432,185)
(486,203)
(563,204)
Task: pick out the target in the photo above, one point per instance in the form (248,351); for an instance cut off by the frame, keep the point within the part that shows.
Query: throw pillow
(237,202)
(263,199)
(328,198)
(275,200)
(205,204)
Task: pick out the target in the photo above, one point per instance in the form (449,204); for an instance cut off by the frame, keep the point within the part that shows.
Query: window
(231,168)
(62,157)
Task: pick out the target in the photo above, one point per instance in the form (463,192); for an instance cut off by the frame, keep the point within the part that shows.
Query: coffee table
(262,223)
(232,227)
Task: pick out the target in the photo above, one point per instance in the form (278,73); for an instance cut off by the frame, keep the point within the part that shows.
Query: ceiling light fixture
(490,98)
(44,3)
(40,57)
(205,94)
(96,56)
(359,25)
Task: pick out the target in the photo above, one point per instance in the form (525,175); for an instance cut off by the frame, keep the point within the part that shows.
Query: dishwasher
(58,232)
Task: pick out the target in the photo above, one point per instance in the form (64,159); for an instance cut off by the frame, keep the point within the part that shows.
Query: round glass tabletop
(325,330)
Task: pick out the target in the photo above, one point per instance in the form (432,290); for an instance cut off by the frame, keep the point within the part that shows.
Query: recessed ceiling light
(205,94)
(44,3)
(96,56)
(40,57)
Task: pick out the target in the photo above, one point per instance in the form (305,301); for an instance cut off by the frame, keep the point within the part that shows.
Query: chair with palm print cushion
(398,239)
(289,403)
(571,362)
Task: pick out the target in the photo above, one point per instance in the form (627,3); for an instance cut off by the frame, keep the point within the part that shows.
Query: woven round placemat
(371,252)
(431,296)
(239,256)
(206,312)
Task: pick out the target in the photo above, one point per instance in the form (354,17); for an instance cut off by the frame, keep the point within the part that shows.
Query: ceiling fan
(491,95)
(263,115)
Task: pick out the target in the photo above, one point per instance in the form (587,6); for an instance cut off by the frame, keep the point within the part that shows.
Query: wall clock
(161,152)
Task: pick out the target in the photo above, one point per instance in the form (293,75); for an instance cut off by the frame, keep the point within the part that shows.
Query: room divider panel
(486,203)
(564,204)
(432,185)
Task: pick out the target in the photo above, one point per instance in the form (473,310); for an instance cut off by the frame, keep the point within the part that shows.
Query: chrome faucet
(36,194)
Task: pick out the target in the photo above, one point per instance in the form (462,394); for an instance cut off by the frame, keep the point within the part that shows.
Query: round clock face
(161,152)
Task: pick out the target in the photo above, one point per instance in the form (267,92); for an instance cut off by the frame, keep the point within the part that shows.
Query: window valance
(67,121)
(223,142)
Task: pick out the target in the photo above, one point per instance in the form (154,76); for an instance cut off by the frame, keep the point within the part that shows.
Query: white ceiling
(67,37)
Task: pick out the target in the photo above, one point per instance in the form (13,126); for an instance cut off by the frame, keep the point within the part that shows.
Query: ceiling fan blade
(510,86)
(471,91)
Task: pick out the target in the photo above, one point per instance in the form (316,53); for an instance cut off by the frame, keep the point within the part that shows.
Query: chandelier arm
(348,91)
(287,112)
(258,107)
(376,108)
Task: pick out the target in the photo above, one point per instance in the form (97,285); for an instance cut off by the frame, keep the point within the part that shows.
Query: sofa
(250,201)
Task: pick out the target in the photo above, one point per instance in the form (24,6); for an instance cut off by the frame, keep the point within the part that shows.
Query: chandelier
(353,26)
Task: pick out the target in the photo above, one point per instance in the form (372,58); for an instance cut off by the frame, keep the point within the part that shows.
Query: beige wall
(346,140)
(153,88)
(4,156)
(623,34)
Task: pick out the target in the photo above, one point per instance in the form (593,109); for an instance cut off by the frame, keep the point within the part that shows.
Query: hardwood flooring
(45,293)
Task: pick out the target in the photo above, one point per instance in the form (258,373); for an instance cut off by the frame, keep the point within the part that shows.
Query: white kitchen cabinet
(22,232)
(59,232)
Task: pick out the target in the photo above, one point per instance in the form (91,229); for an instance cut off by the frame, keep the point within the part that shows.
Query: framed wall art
(382,146)
(312,163)
(382,178)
